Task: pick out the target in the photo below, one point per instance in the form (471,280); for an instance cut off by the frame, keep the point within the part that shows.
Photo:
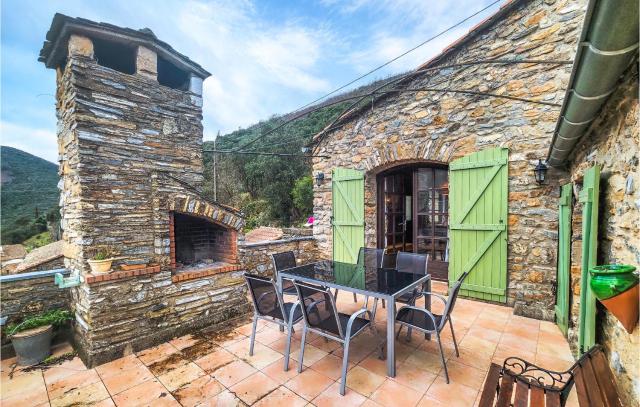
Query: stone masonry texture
(613,142)
(130,156)
(439,127)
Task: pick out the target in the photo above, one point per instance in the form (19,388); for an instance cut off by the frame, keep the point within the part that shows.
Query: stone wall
(256,257)
(420,127)
(24,296)
(613,142)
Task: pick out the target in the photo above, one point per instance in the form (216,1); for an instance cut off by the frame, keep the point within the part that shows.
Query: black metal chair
(269,306)
(431,323)
(414,263)
(371,258)
(321,317)
(283,261)
(411,263)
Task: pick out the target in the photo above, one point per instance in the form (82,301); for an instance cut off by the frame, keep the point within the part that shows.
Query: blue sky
(266,57)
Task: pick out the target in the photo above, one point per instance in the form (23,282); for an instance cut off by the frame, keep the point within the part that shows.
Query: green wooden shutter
(589,199)
(348,214)
(478,193)
(564,259)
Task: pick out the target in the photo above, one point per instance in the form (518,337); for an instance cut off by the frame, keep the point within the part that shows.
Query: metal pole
(215,170)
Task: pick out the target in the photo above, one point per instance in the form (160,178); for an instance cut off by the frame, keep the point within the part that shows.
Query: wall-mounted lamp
(319,178)
(540,172)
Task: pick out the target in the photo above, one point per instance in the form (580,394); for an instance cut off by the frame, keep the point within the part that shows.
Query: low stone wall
(256,257)
(137,312)
(27,294)
(613,143)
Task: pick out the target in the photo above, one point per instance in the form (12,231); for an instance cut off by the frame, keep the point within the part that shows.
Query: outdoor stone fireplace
(129,111)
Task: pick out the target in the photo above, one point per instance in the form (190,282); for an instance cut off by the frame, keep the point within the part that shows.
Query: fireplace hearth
(200,243)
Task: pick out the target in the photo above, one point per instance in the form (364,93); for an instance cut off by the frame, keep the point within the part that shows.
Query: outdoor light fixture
(319,178)
(540,172)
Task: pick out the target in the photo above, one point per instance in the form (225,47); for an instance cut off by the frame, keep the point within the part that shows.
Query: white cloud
(32,140)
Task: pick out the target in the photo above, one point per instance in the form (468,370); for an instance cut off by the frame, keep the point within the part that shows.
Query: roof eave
(606,49)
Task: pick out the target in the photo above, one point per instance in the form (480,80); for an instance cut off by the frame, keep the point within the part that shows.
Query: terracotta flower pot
(616,286)
(100,266)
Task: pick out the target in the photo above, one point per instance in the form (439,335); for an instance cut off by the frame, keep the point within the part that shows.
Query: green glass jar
(610,280)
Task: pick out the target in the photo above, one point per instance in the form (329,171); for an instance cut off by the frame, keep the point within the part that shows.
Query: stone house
(408,146)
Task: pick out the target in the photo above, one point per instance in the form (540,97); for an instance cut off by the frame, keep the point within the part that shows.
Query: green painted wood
(589,199)
(478,193)
(564,259)
(348,214)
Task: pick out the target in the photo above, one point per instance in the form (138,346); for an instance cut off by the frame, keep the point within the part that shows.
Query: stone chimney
(129,111)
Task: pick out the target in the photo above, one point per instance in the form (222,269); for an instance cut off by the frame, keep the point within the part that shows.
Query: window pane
(424,201)
(440,250)
(399,222)
(441,200)
(441,178)
(425,247)
(424,225)
(425,178)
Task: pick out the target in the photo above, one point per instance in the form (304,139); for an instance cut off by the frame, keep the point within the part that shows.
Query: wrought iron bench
(520,383)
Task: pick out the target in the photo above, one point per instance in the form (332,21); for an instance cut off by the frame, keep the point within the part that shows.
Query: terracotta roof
(262,234)
(477,29)
(41,255)
(12,251)
(54,49)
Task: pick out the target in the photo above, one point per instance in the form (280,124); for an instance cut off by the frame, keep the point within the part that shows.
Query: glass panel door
(432,205)
(397,212)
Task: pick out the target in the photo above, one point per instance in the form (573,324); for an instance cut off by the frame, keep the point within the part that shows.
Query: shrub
(55,317)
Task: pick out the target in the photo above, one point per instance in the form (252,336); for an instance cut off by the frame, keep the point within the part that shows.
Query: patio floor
(215,370)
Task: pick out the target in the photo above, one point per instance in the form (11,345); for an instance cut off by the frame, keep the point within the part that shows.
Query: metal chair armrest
(353,317)
(441,297)
(426,311)
(293,310)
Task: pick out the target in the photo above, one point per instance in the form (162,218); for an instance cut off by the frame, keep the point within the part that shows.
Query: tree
(302,194)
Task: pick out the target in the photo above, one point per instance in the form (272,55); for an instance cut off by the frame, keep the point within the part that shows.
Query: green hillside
(275,190)
(29,191)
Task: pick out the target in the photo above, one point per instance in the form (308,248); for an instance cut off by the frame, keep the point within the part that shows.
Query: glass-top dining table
(378,283)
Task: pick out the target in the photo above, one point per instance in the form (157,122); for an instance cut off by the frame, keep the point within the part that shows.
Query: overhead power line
(441,33)
(263,153)
(375,91)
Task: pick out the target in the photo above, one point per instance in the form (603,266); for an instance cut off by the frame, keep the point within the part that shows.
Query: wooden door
(348,214)
(478,193)
(589,199)
(563,280)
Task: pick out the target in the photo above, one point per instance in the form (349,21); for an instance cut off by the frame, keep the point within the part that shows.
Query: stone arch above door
(436,151)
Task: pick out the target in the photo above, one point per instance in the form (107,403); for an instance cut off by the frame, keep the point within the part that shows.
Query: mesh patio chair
(371,258)
(283,261)
(414,263)
(430,323)
(321,317)
(269,306)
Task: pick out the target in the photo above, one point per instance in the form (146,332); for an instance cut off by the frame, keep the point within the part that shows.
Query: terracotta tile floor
(208,370)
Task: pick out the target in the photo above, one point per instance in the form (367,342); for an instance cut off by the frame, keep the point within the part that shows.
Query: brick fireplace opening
(200,244)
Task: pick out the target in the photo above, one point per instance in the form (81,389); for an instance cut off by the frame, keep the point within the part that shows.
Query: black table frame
(390,298)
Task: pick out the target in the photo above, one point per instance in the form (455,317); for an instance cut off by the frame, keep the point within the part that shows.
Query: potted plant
(102,259)
(31,338)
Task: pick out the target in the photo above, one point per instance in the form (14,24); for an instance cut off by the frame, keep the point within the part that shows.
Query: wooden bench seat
(519,383)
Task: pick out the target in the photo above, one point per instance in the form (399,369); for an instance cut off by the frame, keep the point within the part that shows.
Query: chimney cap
(54,49)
